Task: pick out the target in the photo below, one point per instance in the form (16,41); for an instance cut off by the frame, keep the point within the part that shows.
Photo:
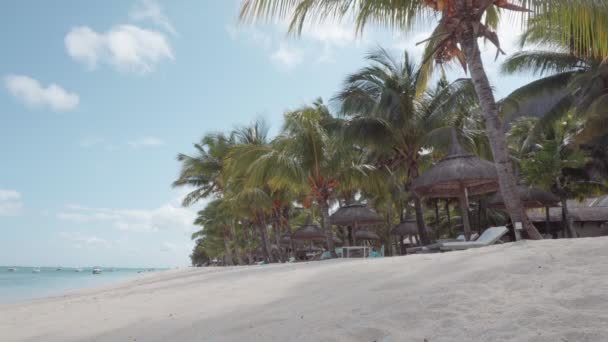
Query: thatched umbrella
(364,234)
(407,227)
(458,175)
(355,215)
(312,232)
(308,232)
(531,197)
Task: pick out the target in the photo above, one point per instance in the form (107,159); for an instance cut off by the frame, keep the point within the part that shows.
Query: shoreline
(534,291)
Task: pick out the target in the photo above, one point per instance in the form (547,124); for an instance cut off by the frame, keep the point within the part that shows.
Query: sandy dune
(531,291)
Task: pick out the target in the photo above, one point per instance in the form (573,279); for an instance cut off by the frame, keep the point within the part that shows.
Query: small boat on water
(59,268)
(78,270)
(96,270)
(36,270)
(12,269)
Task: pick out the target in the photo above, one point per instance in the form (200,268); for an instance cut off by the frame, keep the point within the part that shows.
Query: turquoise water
(24,284)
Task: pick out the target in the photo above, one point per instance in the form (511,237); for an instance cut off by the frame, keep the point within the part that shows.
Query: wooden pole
(447,211)
(547,221)
(464,208)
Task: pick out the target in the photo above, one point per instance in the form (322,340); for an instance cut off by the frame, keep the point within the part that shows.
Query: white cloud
(10,203)
(325,37)
(165,217)
(287,57)
(146,142)
(332,34)
(126,47)
(30,92)
(151,10)
(80,240)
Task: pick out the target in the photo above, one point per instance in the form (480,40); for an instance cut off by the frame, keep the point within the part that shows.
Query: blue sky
(98,98)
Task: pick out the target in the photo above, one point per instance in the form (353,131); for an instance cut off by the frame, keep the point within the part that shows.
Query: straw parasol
(364,234)
(308,232)
(408,227)
(458,175)
(355,215)
(311,232)
(531,197)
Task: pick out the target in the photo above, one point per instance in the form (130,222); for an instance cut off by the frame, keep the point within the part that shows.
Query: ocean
(23,284)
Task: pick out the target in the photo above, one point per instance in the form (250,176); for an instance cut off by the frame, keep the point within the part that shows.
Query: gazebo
(459,175)
(531,198)
(355,215)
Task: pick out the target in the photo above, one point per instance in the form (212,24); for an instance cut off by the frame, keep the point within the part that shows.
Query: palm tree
(216,220)
(306,162)
(395,121)
(557,167)
(460,25)
(205,173)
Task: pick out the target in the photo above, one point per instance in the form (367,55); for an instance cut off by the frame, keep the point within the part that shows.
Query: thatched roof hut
(531,197)
(364,234)
(458,175)
(408,227)
(308,232)
(457,171)
(355,214)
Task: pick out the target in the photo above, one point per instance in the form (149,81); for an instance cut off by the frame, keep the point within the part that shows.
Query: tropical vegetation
(390,121)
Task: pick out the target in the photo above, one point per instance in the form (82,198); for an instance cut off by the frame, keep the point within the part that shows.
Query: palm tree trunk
(496,135)
(326,225)
(261,225)
(239,258)
(277,239)
(566,218)
(229,258)
(424,236)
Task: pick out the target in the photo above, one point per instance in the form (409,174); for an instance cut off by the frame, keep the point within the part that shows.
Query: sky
(98,98)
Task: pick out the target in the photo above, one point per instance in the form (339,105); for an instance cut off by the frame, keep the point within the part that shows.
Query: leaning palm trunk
(229,260)
(494,130)
(326,225)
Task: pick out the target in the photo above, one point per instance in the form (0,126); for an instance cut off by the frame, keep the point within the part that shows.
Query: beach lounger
(434,247)
(489,237)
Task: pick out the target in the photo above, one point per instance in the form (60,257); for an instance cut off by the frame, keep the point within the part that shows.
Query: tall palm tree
(395,121)
(461,23)
(205,173)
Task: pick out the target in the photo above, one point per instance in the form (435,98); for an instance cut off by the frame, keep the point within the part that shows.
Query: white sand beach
(553,290)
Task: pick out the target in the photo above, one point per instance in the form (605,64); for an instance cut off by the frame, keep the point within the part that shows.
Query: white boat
(96,270)
(12,269)
(36,270)
(78,270)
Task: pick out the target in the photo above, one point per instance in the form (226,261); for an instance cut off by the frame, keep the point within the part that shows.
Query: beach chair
(489,237)
(434,247)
